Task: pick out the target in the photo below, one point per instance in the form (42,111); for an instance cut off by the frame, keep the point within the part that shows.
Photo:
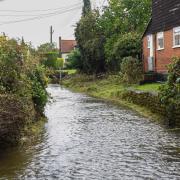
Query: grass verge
(70,71)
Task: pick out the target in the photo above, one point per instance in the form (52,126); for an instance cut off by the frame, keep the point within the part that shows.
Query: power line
(37,10)
(42,16)
(24,15)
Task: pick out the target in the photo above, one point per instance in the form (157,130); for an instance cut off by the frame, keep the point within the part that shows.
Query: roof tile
(67,45)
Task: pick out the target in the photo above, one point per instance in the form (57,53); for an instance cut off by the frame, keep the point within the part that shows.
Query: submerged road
(87,139)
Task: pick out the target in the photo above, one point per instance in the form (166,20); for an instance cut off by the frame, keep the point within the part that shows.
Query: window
(160,40)
(176,37)
(149,41)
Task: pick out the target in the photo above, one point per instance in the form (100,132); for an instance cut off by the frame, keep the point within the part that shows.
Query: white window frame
(176,31)
(160,35)
(149,41)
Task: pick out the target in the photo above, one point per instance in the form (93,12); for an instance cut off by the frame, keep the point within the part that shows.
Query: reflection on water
(88,139)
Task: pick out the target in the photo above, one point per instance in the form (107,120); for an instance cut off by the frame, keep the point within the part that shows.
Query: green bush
(59,63)
(19,74)
(50,59)
(15,113)
(131,70)
(22,86)
(118,47)
(111,61)
(127,45)
(170,92)
(74,60)
(11,63)
(39,83)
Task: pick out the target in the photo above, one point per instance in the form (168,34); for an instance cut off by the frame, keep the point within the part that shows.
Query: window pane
(177,30)
(160,43)
(160,35)
(177,39)
(160,40)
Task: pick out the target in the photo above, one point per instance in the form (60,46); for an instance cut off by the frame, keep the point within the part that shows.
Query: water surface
(87,139)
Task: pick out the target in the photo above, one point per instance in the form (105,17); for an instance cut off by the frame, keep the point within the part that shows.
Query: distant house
(161,40)
(66,46)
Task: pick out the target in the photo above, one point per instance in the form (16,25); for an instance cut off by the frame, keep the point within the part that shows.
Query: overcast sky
(61,14)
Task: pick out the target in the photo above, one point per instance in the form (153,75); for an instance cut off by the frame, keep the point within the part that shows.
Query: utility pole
(4,34)
(60,47)
(51,34)
(60,75)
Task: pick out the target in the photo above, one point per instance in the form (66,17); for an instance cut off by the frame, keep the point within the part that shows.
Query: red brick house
(161,40)
(66,46)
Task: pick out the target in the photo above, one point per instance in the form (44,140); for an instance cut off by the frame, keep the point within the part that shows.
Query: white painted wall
(65,56)
(151,58)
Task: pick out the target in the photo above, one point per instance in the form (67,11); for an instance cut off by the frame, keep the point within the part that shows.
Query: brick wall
(162,57)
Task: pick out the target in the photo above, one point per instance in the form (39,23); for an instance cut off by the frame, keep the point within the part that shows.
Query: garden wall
(152,102)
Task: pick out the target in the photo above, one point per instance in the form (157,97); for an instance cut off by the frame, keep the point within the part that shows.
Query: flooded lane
(87,139)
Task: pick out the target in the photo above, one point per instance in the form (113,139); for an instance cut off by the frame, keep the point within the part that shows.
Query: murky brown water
(86,139)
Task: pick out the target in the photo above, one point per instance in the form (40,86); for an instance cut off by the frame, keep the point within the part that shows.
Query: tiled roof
(165,15)
(67,46)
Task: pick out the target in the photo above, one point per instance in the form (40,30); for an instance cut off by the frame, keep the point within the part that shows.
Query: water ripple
(87,139)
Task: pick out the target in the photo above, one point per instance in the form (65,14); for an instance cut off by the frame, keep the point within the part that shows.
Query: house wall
(162,57)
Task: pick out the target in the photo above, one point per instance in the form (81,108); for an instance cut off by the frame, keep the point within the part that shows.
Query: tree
(47,47)
(90,40)
(126,16)
(74,60)
(49,59)
(86,7)
(122,23)
(112,35)
(128,44)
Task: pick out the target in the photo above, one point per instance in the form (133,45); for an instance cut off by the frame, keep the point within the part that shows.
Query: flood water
(87,139)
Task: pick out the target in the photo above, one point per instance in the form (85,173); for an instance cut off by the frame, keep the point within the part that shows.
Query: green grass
(70,71)
(107,85)
(101,88)
(153,87)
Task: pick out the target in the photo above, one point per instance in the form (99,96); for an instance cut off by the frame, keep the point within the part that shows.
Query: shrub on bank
(117,48)
(39,83)
(50,59)
(74,60)
(22,88)
(11,63)
(15,113)
(131,70)
(59,63)
(128,44)
(170,92)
